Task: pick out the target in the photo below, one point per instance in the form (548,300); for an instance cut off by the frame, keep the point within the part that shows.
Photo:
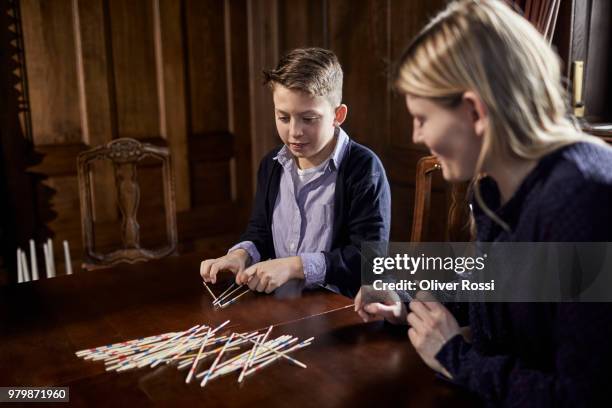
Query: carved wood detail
(125,154)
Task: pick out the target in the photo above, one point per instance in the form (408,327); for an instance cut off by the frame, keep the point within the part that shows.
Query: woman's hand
(391,308)
(432,326)
(268,275)
(234,262)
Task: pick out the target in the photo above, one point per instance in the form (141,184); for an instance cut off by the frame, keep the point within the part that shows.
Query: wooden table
(350,364)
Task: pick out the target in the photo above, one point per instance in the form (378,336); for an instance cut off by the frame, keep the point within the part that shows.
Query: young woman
(485,93)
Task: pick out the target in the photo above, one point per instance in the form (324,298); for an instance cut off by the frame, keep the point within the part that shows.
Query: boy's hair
(314,71)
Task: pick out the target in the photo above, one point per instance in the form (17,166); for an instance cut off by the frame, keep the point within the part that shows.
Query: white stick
(305,343)
(234,300)
(51,255)
(222,299)
(247,362)
(195,362)
(67,259)
(33,261)
(19,268)
(214,364)
(165,343)
(46,254)
(178,347)
(293,360)
(237,363)
(24,266)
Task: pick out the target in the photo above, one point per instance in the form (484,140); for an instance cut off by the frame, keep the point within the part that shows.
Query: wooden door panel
(362,53)
(134,30)
(52,72)
(207,63)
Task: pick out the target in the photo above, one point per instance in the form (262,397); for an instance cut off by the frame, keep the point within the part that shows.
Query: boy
(318,196)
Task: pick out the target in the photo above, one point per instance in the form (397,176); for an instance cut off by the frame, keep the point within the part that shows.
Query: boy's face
(306,124)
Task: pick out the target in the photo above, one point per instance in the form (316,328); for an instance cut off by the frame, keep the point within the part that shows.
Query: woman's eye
(283,119)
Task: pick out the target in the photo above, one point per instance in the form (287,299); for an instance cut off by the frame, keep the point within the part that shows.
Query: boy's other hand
(393,311)
(269,275)
(234,262)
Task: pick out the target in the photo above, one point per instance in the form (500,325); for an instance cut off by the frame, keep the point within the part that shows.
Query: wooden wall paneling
(209,116)
(171,72)
(96,99)
(59,125)
(207,74)
(302,23)
(237,53)
(210,157)
(135,68)
(263,37)
(210,141)
(51,65)
(358,35)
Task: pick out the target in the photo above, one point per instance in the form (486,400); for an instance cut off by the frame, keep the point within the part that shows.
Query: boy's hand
(269,275)
(432,326)
(234,262)
(392,311)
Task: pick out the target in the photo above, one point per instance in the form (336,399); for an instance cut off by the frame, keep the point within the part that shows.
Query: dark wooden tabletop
(43,324)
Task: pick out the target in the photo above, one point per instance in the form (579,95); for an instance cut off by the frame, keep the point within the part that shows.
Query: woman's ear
(340,114)
(478,112)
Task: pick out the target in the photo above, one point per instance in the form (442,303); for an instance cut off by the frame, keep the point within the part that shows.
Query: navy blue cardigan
(543,354)
(362,212)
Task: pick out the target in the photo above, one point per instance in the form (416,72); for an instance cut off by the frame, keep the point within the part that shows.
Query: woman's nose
(417,135)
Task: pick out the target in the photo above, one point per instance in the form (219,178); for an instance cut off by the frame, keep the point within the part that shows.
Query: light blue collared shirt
(303,213)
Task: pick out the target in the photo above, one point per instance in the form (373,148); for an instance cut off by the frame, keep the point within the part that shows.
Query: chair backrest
(456,225)
(125,154)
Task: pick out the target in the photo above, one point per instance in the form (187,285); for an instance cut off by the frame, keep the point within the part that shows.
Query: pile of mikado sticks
(224,299)
(180,348)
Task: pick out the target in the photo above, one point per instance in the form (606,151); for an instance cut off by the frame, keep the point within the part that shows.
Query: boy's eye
(309,119)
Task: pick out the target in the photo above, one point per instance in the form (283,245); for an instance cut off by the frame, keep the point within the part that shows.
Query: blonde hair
(485,47)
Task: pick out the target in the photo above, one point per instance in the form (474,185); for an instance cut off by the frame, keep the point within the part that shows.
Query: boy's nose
(294,129)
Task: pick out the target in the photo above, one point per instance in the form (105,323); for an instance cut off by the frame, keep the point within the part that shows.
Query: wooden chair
(456,226)
(125,154)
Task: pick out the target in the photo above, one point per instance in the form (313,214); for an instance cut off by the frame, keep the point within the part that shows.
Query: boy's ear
(341,112)
(478,111)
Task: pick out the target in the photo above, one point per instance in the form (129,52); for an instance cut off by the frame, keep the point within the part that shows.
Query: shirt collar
(285,158)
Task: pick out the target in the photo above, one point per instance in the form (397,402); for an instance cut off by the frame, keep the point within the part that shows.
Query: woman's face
(449,133)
